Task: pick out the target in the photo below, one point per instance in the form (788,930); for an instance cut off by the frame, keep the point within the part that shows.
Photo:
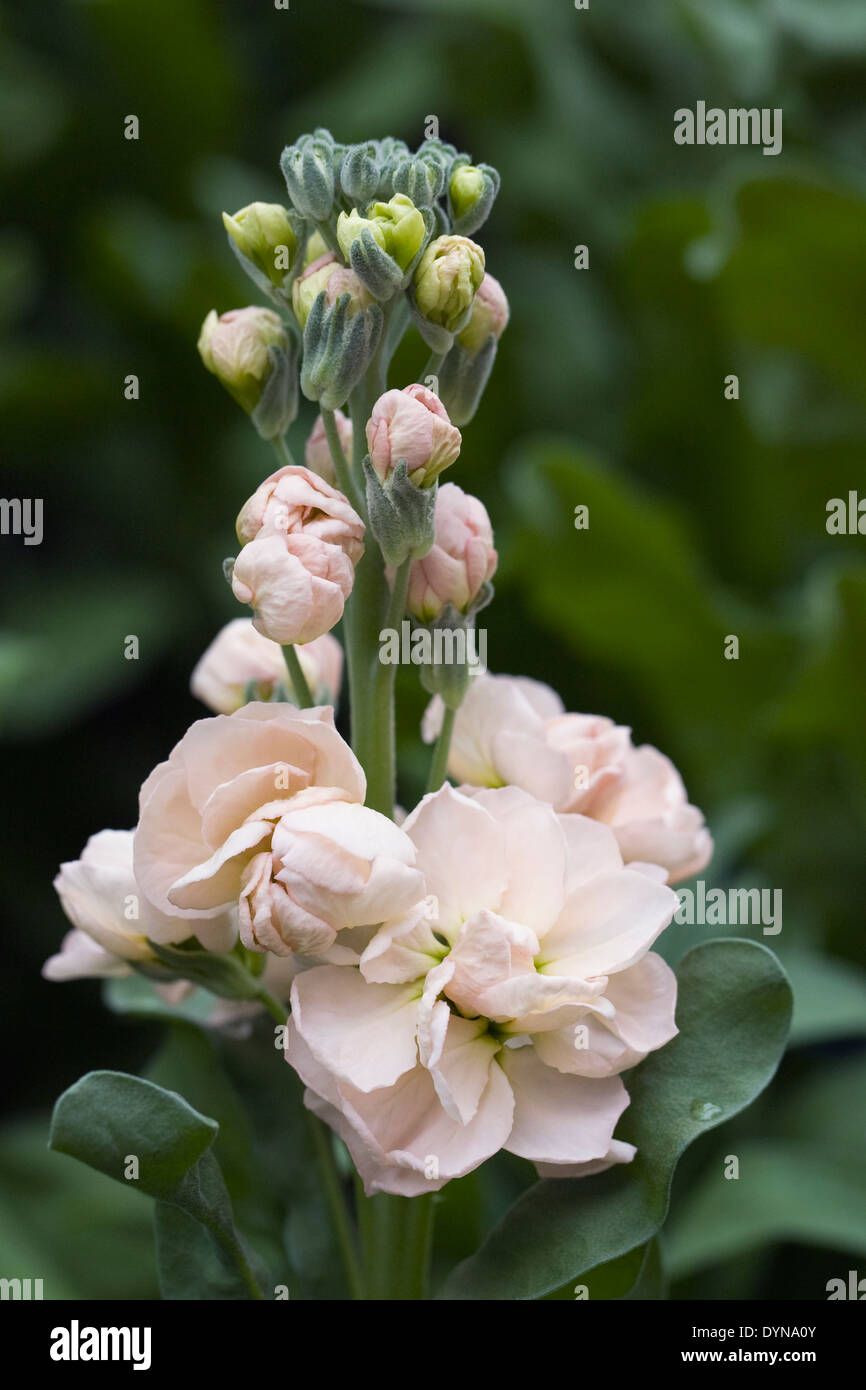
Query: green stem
(396,1239)
(330,1178)
(329,237)
(300,687)
(334,1195)
(282,450)
(277,1010)
(439,765)
(397,327)
(434,365)
(342,467)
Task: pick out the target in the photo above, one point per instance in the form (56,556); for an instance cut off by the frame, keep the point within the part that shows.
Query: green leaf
(134,995)
(829,997)
(224,975)
(784,1192)
(733,1011)
(107,1117)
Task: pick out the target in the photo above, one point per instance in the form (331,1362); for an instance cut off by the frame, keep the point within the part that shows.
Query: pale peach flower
(240,664)
(112,917)
(498,1012)
(264,809)
(513,731)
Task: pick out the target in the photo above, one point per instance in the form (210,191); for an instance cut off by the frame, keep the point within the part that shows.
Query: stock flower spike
(474,976)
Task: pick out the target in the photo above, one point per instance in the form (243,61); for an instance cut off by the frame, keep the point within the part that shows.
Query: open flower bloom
(301,542)
(263,809)
(240,664)
(513,731)
(498,1012)
(113,919)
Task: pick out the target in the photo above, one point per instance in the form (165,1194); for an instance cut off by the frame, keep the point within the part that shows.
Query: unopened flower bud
(340,340)
(471,194)
(443,288)
(420,179)
(308,168)
(382,246)
(461,561)
(317,450)
(335,279)
(302,540)
(360,172)
(465,371)
(250,352)
(412,425)
(264,235)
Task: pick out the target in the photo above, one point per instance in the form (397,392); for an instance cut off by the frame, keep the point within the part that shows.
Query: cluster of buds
(365,224)
(374,237)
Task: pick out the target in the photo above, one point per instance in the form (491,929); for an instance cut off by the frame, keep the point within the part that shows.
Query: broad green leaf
(784,1192)
(107,1118)
(829,997)
(608,1281)
(733,1013)
(62,1223)
(135,995)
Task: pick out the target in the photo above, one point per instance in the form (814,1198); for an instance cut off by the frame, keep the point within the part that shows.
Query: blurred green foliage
(707,516)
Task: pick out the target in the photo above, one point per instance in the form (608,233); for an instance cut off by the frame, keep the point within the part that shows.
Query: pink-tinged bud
(234,346)
(412,424)
(489,316)
(302,540)
(461,560)
(317,451)
(241,665)
(335,279)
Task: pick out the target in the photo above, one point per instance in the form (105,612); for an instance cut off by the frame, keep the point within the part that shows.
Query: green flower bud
(338,348)
(335,279)
(397,226)
(349,228)
(401,515)
(443,288)
(388,153)
(420,179)
(471,194)
(360,172)
(308,168)
(264,235)
(253,356)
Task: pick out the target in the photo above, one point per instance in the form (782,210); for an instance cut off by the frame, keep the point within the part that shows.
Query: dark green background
(707,517)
